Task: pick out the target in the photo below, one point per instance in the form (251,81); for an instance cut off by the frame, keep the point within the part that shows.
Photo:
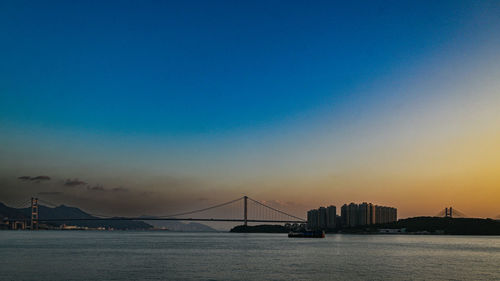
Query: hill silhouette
(436,225)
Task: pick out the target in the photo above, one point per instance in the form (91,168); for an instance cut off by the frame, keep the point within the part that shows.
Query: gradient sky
(147,107)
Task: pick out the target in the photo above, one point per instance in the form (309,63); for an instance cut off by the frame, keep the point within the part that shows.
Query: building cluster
(366,213)
(322,218)
(350,215)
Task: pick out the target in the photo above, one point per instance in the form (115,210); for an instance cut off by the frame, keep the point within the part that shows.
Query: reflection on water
(87,255)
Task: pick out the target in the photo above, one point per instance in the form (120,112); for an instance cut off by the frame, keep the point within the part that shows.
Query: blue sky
(167,68)
(228,92)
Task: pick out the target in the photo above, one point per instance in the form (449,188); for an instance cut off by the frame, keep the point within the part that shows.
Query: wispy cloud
(40,178)
(36,179)
(74,182)
(102,188)
(50,193)
(96,188)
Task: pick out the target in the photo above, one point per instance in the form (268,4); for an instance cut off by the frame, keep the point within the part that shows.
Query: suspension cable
(276,210)
(458,213)
(201,210)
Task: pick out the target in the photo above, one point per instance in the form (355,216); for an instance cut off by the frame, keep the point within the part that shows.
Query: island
(264,228)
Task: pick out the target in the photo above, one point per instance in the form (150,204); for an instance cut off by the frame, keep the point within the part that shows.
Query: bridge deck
(169,219)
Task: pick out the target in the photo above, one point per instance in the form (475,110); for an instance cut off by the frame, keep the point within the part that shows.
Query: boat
(307,234)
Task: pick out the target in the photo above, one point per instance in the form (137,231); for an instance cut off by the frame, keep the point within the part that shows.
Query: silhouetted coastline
(416,226)
(432,225)
(260,229)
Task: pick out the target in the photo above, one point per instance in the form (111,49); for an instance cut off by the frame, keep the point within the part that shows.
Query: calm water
(87,255)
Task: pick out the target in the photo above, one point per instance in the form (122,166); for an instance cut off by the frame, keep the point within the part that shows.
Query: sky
(149,107)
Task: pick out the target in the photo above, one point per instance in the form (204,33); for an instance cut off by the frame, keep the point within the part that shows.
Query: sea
(163,255)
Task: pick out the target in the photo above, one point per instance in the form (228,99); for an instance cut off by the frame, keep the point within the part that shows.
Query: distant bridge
(243,209)
(450,212)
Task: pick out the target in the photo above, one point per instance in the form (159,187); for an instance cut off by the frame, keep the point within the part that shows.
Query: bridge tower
(245,211)
(34,213)
(448,212)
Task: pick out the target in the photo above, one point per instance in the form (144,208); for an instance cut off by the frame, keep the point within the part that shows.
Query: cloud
(40,178)
(35,179)
(279,203)
(50,193)
(119,189)
(101,188)
(74,182)
(96,188)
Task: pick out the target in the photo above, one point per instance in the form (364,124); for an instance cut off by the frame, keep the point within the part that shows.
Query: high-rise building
(331,214)
(349,214)
(312,219)
(344,218)
(366,213)
(352,211)
(363,214)
(371,213)
(323,217)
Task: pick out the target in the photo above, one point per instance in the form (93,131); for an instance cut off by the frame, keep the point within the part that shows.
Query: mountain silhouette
(179,226)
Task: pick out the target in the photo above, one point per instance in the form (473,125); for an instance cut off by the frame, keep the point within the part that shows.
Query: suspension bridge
(243,209)
(450,212)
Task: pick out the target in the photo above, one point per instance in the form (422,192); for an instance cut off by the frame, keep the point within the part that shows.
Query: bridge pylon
(448,212)
(34,214)
(245,210)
